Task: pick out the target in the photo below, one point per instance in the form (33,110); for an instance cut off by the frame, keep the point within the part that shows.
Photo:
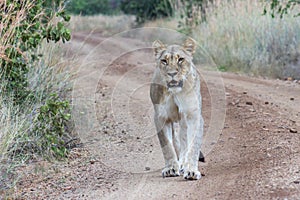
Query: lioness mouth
(174,83)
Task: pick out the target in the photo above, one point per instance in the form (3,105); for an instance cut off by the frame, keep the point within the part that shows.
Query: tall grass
(49,75)
(19,140)
(237,37)
(27,129)
(106,25)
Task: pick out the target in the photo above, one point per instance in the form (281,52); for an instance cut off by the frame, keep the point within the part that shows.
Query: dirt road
(251,142)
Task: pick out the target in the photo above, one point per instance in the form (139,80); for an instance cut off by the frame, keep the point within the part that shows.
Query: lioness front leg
(165,138)
(194,137)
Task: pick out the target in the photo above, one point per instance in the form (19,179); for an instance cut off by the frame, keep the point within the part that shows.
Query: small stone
(292,130)
(67,188)
(244,92)
(265,129)
(92,161)
(249,103)
(147,168)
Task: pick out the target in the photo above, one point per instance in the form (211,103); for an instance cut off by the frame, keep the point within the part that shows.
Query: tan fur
(175,94)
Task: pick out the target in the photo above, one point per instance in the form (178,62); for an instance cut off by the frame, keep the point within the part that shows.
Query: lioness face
(174,63)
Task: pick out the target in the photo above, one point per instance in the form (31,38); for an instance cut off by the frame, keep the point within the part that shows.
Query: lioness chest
(169,109)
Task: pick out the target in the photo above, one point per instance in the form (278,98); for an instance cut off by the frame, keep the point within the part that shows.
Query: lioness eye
(164,61)
(180,60)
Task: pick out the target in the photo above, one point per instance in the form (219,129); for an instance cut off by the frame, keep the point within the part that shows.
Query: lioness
(175,94)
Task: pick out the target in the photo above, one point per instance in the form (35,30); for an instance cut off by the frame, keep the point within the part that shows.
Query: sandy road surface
(251,145)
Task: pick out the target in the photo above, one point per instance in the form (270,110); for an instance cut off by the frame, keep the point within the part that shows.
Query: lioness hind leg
(201,157)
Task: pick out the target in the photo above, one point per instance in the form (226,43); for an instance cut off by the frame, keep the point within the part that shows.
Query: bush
(281,7)
(34,120)
(47,133)
(41,125)
(147,9)
(25,24)
(92,7)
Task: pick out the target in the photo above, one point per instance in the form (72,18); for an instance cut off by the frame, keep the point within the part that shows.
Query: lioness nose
(172,74)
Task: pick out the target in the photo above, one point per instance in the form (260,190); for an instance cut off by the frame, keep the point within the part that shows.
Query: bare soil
(251,142)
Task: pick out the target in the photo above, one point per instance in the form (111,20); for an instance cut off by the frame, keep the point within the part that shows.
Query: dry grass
(107,25)
(10,21)
(48,75)
(51,74)
(237,37)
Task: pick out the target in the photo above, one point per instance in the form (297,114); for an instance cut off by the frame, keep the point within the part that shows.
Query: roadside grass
(35,92)
(27,130)
(106,25)
(237,37)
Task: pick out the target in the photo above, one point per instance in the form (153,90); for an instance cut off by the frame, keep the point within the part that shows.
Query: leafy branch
(282,7)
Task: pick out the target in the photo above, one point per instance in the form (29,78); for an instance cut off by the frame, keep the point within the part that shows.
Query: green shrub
(44,133)
(281,7)
(147,9)
(25,24)
(41,126)
(50,126)
(91,7)
(34,120)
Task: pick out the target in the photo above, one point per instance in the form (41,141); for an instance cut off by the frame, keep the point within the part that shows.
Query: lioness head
(174,62)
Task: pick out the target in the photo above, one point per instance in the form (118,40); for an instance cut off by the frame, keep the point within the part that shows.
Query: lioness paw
(192,175)
(170,172)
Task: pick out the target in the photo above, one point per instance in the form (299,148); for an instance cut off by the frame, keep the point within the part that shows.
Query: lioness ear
(190,45)
(158,47)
